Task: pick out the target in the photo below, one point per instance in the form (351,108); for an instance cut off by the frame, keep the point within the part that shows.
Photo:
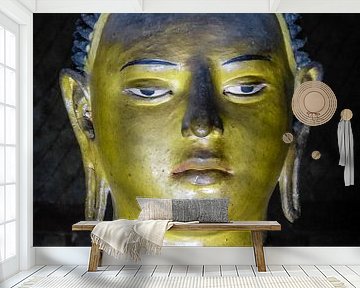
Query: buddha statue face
(185,106)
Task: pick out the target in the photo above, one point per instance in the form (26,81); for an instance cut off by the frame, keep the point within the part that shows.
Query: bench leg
(95,258)
(258,250)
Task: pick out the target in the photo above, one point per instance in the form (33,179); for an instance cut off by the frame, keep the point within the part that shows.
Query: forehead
(260,31)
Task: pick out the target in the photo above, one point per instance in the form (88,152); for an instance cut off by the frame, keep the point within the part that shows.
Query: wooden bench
(255,227)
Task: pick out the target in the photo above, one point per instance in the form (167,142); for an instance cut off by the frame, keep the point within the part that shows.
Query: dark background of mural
(330,211)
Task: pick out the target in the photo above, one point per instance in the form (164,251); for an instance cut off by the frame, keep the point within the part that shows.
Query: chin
(190,191)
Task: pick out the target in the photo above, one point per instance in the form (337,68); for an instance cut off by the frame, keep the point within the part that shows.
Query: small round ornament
(316,155)
(288,137)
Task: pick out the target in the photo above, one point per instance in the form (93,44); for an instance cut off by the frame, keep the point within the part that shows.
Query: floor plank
(162,271)
(62,271)
(355,268)
(229,270)
(195,271)
(261,274)
(146,271)
(311,271)
(328,271)
(349,274)
(278,270)
(100,270)
(294,270)
(46,271)
(178,270)
(112,270)
(20,277)
(78,271)
(212,270)
(129,270)
(245,271)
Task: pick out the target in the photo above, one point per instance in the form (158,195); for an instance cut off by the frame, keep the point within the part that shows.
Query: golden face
(194,107)
(190,106)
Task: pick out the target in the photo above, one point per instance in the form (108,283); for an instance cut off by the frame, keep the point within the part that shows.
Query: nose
(201,117)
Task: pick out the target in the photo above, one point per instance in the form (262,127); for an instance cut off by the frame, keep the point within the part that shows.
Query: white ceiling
(300,6)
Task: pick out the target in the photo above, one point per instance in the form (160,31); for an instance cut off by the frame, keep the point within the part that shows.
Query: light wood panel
(229,270)
(347,274)
(146,270)
(294,271)
(256,227)
(195,271)
(78,271)
(178,270)
(212,270)
(278,270)
(245,271)
(129,270)
(162,271)
(311,271)
(112,270)
(231,226)
(328,271)
(63,271)
(20,277)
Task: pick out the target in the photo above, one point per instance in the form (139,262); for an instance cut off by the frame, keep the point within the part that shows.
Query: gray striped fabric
(184,210)
(181,282)
(202,210)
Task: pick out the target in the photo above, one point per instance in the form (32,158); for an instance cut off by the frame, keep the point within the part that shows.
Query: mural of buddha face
(187,106)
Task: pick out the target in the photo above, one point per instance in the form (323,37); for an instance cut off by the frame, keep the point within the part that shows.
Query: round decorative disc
(288,137)
(316,155)
(346,114)
(314,103)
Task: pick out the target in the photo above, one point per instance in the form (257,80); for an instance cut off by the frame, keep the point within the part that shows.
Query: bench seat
(255,227)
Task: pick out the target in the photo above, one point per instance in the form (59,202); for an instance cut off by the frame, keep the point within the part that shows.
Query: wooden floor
(350,275)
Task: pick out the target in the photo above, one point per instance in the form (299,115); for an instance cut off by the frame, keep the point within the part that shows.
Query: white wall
(192,255)
(20,12)
(234,6)
(211,256)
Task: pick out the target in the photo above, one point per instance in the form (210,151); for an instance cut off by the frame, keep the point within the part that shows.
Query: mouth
(198,171)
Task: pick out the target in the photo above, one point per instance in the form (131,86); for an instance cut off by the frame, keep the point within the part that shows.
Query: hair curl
(86,23)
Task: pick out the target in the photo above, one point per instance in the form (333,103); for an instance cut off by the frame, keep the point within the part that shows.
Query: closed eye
(148,93)
(244,90)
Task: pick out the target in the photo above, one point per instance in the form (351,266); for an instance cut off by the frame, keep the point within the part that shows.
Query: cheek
(142,138)
(254,135)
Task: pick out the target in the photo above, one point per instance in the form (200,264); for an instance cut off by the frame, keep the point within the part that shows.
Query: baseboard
(209,256)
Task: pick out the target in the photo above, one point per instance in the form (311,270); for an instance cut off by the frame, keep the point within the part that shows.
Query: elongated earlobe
(289,178)
(76,97)
(97,191)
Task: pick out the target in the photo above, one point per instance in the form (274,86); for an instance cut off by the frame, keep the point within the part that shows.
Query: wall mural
(190,106)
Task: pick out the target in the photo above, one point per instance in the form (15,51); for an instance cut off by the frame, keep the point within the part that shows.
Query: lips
(201,165)
(200,171)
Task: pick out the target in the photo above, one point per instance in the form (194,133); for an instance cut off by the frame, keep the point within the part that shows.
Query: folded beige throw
(130,237)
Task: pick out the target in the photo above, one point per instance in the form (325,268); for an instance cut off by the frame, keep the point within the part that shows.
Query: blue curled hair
(84,28)
(86,23)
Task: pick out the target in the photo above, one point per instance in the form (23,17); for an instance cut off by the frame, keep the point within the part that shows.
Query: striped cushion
(184,210)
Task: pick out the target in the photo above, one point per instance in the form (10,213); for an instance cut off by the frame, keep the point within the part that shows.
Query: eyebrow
(242,58)
(148,62)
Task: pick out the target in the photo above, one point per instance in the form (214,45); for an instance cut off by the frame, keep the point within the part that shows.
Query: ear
(310,72)
(76,97)
(288,181)
(78,105)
